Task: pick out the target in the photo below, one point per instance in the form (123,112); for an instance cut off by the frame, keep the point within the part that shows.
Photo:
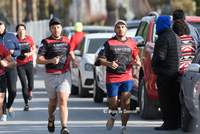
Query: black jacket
(167,54)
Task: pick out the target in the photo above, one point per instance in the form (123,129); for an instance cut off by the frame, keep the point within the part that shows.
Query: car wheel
(98,94)
(188,123)
(74,90)
(83,92)
(148,110)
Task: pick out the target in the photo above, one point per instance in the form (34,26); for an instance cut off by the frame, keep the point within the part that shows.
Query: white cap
(120,21)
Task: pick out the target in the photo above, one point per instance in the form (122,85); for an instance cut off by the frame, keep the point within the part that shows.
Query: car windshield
(94,44)
(196,25)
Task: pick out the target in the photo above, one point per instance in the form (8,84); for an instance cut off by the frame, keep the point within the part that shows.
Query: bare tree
(34,10)
(67,4)
(51,7)
(111,17)
(42,14)
(19,11)
(14,12)
(28,10)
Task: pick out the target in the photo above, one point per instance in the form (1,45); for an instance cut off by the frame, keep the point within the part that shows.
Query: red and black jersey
(26,45)
(3,54)
(188,48)
(51,48)
(123,51)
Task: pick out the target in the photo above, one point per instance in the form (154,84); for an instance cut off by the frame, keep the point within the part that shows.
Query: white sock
(114,117)
(122,127)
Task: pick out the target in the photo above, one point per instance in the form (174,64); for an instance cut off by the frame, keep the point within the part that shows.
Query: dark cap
(53,21)
(178,14)
(2,21)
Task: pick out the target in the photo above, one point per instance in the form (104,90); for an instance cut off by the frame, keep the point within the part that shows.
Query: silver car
(190,95)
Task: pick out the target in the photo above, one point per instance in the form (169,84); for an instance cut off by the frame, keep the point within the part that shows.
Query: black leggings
(11,75)
(23,71)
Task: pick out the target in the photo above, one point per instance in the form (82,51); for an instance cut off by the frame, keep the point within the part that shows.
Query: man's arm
(72,58)
(104,62)
(41,60)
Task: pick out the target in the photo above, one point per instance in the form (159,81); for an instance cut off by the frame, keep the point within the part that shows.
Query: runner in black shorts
(6,60)
(55,52)
(25,67)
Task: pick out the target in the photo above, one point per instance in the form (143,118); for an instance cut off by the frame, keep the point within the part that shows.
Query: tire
(74,90)
(133,104)
(148,110)
(98,94)
(188,123)
(82,92)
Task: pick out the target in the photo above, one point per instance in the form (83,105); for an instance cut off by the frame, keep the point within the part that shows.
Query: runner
(25,67)
(55,52)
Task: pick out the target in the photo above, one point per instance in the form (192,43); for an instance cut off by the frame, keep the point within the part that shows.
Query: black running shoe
(26,108)
(51,126)
(64,131)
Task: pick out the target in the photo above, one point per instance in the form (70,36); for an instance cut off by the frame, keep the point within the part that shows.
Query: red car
(144,88)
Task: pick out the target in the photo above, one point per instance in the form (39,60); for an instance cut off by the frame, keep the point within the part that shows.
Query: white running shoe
(4,117)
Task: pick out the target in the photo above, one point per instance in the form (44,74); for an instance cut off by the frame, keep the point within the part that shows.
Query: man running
(55,52)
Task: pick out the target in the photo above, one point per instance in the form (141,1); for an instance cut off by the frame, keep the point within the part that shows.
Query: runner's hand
(55,60)
(113,64)
(74,64)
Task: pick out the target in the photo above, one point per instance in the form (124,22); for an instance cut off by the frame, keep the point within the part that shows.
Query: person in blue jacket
(9,40)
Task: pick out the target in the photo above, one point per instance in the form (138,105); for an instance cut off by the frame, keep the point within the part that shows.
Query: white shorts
(57,83)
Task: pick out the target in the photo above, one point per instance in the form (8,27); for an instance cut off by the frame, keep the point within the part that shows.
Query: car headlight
(88,67)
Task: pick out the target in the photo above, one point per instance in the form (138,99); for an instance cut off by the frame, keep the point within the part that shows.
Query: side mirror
(138,40)
(194,67)
(77,52)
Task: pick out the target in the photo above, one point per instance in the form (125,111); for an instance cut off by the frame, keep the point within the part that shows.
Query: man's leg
(52,108)
(2,95)
(63,110)
(113,105)
(125,102)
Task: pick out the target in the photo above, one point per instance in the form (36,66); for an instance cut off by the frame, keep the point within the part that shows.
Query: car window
(94,44)
(64,33)
(145,33)
(197,58)
(154,35)
(141,28)
(81,46)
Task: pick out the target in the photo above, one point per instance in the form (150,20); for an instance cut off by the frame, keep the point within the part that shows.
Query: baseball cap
(78,26)
(120,21)
(53,21)
(2,21)
(178,14)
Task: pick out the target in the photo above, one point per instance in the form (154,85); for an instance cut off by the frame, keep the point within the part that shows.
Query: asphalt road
(85,116)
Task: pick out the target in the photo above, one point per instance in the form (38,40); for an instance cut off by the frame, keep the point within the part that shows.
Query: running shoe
(51,126)
(124,131)
(4,117)
(110,123)
(64,131)
(11,113)
(26,108)
(30,95)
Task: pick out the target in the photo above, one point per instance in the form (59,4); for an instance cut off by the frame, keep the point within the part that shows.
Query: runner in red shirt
(55,52)
(6,60)
(119,53)
(25,67)
(77,37)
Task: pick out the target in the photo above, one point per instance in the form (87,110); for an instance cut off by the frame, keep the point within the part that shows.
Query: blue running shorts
(113,89)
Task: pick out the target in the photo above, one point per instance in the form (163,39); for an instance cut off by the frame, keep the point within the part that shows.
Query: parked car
(99,88)
(82,77)
(69,31)
(132,24)
(190,95)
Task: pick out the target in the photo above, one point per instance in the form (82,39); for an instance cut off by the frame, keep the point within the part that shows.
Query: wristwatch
(97,63)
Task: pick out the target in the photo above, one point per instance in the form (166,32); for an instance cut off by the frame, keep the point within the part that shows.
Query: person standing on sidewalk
(77,37)
(120,52)
(6,60)
(55,52)
(25,67)
(9,40)
(165,64)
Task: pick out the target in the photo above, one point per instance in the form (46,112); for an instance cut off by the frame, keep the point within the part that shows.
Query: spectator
(180,15)
(77,37)
(165,64)
(9,40)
